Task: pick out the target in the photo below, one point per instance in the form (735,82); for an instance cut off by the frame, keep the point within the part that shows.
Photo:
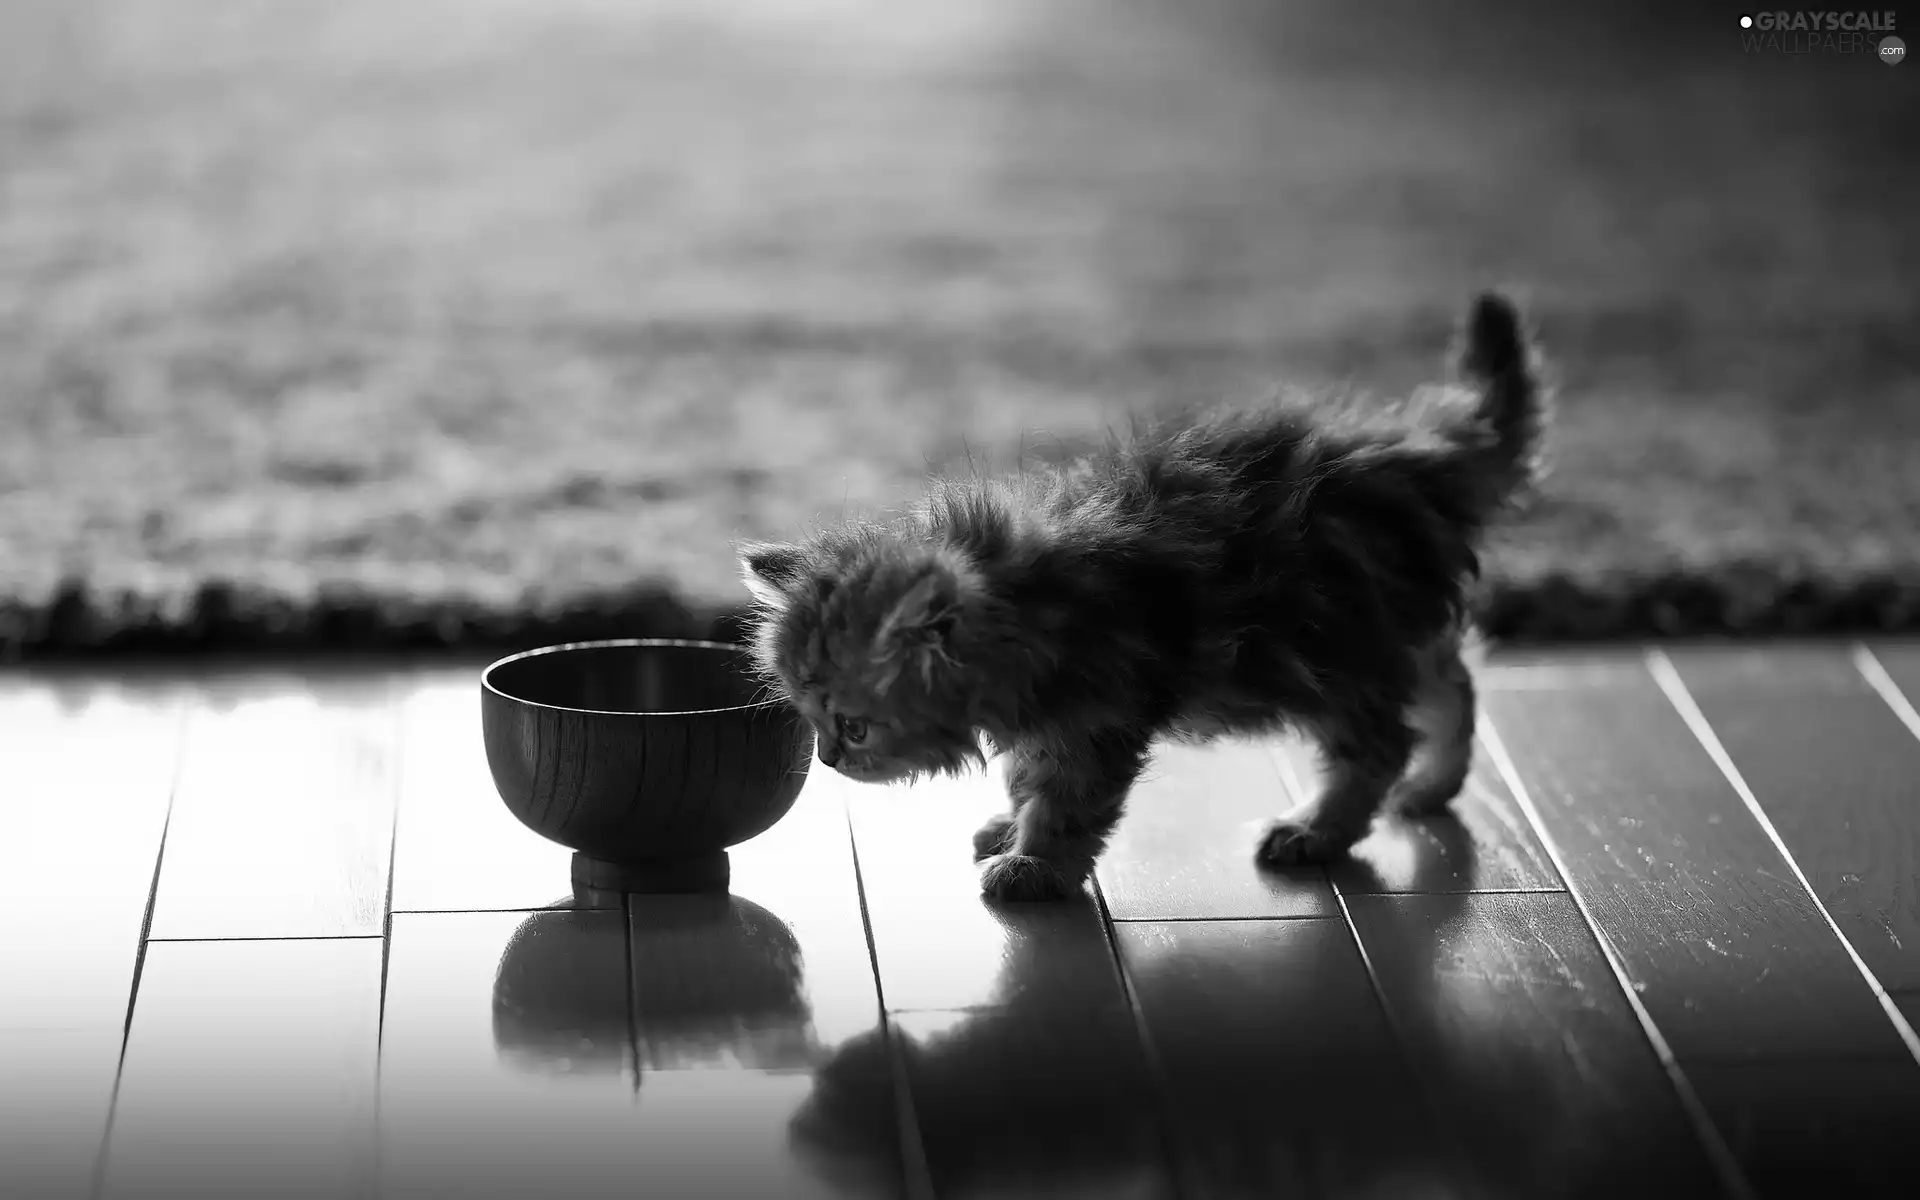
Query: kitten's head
(867,637)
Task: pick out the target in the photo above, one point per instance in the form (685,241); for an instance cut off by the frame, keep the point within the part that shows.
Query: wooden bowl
(646,757)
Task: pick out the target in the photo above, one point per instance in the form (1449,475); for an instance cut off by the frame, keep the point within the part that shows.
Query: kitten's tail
(1497,358)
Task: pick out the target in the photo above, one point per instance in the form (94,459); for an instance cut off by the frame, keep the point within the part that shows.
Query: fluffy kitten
(1297,564)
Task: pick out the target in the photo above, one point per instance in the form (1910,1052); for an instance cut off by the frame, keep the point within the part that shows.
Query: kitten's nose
(829,753)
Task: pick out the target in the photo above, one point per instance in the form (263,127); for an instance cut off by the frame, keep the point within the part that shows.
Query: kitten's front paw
(994,837)
(1290,843)
(1021,877)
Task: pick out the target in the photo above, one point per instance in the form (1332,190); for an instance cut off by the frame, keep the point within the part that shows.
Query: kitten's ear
(772,571)
(919,631)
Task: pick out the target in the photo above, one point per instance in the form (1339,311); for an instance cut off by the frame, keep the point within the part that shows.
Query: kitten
(1295,565)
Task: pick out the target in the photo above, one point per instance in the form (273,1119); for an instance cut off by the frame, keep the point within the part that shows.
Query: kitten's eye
(852,730)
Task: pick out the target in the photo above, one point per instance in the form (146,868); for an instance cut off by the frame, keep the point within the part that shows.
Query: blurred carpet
(495,320)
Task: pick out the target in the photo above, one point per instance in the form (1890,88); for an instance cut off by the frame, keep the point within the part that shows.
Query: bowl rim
(486,677)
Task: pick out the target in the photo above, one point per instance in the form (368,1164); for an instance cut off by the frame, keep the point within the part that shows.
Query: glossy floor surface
(270,933)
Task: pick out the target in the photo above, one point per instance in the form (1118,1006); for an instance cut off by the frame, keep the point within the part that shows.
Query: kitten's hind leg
(1444,715)
(1067,799)
(1365,756)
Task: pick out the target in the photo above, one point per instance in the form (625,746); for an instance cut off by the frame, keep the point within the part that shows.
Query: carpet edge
(219,617)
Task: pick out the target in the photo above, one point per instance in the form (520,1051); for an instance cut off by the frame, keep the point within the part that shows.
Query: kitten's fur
(1297,564)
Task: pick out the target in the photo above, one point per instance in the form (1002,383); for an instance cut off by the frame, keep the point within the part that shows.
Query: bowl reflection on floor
(683,981)
(560,994)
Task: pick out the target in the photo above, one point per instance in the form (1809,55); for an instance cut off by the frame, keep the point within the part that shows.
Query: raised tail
(1497,359)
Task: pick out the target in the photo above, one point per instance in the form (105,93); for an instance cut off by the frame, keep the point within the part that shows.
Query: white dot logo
(1893,51)
(1746,22)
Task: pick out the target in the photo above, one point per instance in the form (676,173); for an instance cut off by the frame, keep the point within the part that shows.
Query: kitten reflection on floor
(1052,1093)
(1259,1082)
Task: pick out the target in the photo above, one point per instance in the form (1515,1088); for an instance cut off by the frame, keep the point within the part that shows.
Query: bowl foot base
(683,873)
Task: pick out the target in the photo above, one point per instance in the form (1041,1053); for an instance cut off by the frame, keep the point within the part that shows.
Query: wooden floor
(272,934)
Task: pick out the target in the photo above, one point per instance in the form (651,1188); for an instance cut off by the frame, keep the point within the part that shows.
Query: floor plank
(1835,1127)
(1521,1035)
(509,1065)
(56,1089)
(779,993)
(1009,1103)
(577,1049)
(506,1062)
(282,821)
(1185,847)
(938,943)
(1525,668)
(1280,1069)
(1838,776)
(249,1072)
(794,913)
(89,771)
(1485,843)
(456,847)
(1731,957)
(1024,1065)
(718,1135)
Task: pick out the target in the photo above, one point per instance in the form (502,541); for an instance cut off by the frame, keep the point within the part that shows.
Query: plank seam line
(1159,1083)
(1668,677)
(397,707)
(1868,664)
(264,937)
(916,1172)
(1725,1164)
(1342,891)
(1444,1129)
(1431,1098)
(183,724)
(397,728)
(523,910)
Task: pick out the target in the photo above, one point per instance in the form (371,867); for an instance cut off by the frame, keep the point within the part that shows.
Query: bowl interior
(640,678)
